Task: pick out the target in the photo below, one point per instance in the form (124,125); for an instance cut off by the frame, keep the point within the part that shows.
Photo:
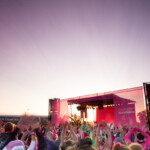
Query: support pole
(147,104)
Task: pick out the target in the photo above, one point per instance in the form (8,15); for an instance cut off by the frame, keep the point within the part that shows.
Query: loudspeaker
(148,91)
(100,106)
(49,117)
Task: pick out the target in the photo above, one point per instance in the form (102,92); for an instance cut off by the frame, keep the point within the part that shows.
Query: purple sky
(66,48)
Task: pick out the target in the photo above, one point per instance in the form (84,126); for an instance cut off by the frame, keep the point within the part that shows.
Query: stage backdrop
(107,114)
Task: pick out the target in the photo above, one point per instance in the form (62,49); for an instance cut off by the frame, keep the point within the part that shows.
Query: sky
(68,48)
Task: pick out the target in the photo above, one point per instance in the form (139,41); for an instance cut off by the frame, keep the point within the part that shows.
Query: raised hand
(66,123)
(105,123)
(22,122)
(100,125)
(35,121)
(50,136)
(69,126)
(35,125)
(24,135)
(33,137)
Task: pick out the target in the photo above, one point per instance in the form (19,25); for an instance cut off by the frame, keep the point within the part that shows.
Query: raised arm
(82,132)
(123,130)
(62,136)
(93,134)
(109,140)
(128,135)
(24,135)
(33,143)
(50,136)
(41,141)
(97,135)
(72,133)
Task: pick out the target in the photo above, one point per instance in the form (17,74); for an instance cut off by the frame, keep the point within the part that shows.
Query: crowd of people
(30,134)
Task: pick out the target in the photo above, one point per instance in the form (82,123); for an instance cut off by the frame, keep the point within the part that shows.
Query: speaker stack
(147,100)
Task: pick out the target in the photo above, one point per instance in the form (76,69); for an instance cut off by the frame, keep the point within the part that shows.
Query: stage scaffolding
(128,106)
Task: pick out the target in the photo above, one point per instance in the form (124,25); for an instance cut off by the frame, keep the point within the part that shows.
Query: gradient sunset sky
(67,48)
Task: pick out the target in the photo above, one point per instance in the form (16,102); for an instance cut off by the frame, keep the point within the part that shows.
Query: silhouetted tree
(75,120)
(142,117)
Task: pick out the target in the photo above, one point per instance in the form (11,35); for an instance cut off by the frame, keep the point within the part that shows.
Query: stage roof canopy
(106,98)
(98,100)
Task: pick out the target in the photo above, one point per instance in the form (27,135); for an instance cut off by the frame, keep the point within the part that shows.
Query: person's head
(118,140)
(68,132)
(9,127)
(68,143)
(119,146)
(88,138)
(101,140)
(30,137)
(76,129)
(140,138)
(135,146)
(55,136)
(84,144)
(84,122)
(15,145)
(2,130)
(83,147)
(51,136)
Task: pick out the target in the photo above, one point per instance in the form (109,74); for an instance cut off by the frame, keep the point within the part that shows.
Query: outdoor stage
(125,106)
